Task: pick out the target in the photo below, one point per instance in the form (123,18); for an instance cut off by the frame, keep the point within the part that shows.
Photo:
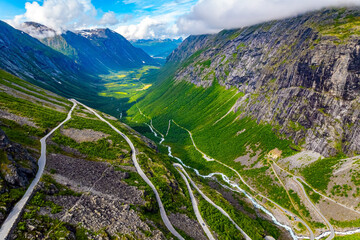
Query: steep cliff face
(301,75)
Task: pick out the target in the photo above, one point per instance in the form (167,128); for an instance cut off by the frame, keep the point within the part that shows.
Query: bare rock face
(17,169)
(96,213)
(301,75)
(17,165)
(190,226)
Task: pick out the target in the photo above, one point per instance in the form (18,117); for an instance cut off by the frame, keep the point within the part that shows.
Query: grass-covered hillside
(90,180)
(86,162)
(296,74)
(262,103)
(27,113)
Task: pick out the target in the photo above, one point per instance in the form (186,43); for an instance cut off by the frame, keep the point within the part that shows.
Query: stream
(240,190)
(228,181)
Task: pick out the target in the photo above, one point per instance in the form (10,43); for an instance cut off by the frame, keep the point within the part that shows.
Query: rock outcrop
(18,167)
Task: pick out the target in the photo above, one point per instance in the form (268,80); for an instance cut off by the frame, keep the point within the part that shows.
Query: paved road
(15,213)
(259,194)
(211,202)
(142,174)
(253,190)
(195,206)
(268,199)
(297,180)
(292,202)
(332,232)
(324,196)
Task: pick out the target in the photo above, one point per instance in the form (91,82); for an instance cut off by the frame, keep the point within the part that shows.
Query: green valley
(127,85)
(249,133)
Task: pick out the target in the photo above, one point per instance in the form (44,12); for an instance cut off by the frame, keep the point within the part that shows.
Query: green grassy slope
(39,111)
(221,134)
(198,109)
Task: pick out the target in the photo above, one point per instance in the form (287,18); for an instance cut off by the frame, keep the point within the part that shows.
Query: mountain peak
(96,32)
(37,30)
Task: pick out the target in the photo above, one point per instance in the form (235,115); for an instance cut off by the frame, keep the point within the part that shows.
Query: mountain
(97,50)
(274,107)
(30,59)
(90,187)
(250,133)
(157,48)
(27,58)
(37,30)
(300,75)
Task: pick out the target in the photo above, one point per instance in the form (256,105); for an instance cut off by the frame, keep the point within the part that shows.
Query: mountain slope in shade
(27,58)
(97,50)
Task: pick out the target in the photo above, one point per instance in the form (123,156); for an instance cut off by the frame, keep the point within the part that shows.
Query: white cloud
(109,18)
(161,23)
(211,16)
(147,28)
(38,31)
(63,14)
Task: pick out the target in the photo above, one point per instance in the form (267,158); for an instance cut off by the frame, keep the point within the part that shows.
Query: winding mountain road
(195,205)
(332,232)
(298,180)
(141,173)
(312,237)
(15,213)
(211,202)
(208,158)
(234,185)
(324,196)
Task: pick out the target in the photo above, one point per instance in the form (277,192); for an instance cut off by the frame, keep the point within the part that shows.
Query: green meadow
(127,84)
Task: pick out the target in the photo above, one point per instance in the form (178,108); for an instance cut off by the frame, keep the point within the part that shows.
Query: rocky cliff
(301,75)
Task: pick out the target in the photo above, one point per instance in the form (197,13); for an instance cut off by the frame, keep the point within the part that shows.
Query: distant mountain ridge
(97,50)
(158,48)
(71,67)
(27,58)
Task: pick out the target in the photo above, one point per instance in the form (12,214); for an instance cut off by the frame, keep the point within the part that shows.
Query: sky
(149,19)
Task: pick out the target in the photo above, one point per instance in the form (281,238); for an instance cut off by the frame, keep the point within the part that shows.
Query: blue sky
(144,19)
(10,8)
(133,18)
